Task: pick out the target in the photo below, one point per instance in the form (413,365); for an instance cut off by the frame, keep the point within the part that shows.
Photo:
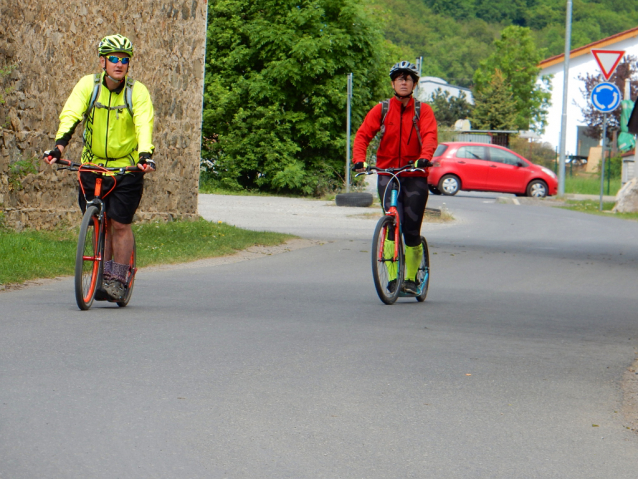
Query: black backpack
(97,86)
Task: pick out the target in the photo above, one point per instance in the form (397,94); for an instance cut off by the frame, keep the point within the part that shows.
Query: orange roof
(605,42)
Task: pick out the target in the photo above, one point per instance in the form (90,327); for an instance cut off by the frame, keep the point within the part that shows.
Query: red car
(483,167)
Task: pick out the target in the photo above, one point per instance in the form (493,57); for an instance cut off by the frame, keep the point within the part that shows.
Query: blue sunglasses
(114,59)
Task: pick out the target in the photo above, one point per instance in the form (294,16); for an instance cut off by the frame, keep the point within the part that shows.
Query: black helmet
(404,67)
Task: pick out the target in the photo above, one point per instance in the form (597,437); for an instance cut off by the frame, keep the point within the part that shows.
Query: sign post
(605,97)
(602,166)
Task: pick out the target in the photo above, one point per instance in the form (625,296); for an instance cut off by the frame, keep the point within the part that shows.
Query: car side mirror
(520,163)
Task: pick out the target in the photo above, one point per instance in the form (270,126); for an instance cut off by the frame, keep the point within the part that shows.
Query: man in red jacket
(409,136)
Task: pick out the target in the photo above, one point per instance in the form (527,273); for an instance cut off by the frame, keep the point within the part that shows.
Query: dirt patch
(27,284)
(630,396)
(253,252)
(431,215)
(524,200)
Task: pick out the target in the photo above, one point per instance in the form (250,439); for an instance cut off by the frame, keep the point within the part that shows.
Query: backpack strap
(128,95)
(416,118)
(97,84)
(385,106)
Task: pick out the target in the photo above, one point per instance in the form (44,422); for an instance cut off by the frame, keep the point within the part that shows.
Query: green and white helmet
(113,44)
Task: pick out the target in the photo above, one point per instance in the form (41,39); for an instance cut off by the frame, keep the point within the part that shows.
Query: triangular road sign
(608,60)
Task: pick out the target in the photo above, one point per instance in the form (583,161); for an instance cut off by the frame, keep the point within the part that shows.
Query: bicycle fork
(392,211)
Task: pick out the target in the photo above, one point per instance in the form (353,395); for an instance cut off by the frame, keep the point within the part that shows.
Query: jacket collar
(397,103)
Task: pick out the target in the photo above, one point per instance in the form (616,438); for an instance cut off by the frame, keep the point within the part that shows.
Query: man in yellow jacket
(118,131)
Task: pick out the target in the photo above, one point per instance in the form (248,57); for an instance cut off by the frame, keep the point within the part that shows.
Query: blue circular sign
(605,97)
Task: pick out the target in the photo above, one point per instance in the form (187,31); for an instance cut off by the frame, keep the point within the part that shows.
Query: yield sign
(608,60)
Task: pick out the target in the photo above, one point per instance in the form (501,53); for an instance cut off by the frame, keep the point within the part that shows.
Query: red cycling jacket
(400,144)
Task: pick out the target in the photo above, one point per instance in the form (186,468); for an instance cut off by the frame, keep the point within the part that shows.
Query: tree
(626,70)
(494,107)
(275,99)
(517,57)
(448,109)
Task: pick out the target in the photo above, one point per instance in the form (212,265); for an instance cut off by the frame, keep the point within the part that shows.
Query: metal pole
(563,128)
(602,167)
(348,133)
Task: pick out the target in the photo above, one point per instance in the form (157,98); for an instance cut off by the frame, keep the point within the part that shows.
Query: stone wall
(48,46)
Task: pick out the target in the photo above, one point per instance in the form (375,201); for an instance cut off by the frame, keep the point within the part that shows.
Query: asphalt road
(289,366)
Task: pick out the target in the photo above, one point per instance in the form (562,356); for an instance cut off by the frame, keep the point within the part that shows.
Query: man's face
(115,70)
(403,84)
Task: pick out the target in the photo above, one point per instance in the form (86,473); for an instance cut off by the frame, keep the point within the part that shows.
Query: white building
(428,85)
(581,61)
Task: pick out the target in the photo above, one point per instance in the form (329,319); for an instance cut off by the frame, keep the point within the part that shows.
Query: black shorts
(122,202)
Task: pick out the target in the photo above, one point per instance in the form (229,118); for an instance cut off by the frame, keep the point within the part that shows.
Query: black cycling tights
(413,197)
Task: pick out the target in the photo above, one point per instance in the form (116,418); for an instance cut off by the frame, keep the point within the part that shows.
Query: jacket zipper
(108,115)
(411,129)
(400,132)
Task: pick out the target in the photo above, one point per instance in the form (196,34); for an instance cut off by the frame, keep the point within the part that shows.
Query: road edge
(250,253)
(630,396)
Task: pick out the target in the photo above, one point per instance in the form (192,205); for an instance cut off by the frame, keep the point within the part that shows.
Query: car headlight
(549,172)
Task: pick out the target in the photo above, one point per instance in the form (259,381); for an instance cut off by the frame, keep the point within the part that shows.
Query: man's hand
(51,156)
(146,163)
(360,166)
(422,163)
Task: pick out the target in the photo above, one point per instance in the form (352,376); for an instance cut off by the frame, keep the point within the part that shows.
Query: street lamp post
(348,132)
(563,128)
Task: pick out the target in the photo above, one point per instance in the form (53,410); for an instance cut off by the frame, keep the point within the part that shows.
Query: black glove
(422,163)
(147,159)
(360,165)
(55,153)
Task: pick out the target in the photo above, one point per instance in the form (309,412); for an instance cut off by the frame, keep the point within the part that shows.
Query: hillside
(454,36)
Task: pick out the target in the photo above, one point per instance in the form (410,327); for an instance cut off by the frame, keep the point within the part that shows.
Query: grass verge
(592,207)
(590,185)
(46,254)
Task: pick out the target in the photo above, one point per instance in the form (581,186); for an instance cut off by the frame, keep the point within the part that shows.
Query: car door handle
(461,162)
(493,166)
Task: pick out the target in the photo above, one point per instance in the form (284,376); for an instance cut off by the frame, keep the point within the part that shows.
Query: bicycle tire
(423,275)
(132,270)
(380,272)
(87,259)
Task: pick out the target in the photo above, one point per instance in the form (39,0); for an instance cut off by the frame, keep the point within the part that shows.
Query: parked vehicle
(484,167)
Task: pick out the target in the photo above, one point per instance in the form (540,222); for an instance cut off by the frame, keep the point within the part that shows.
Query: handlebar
(69,165)
(393,171)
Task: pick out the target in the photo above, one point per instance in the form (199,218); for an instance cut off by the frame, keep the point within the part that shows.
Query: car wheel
(537,189)
(434,190)
(449,185)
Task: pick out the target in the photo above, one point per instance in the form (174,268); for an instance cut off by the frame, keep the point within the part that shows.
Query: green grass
(590,185)
(208,187)
(46,254)
(590,206)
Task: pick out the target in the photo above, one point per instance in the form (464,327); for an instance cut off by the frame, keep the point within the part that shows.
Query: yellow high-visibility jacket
(112,137)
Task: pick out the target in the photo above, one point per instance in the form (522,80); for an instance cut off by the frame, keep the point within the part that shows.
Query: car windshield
(440,150)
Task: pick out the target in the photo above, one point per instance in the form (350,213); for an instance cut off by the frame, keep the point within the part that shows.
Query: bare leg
(122,242)
(108,244)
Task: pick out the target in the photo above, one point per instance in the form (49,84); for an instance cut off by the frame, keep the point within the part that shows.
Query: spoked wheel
(386,270)
(423,275)
(130,280)
(87,259)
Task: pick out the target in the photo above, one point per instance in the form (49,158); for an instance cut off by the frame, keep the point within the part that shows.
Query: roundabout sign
(605,97)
